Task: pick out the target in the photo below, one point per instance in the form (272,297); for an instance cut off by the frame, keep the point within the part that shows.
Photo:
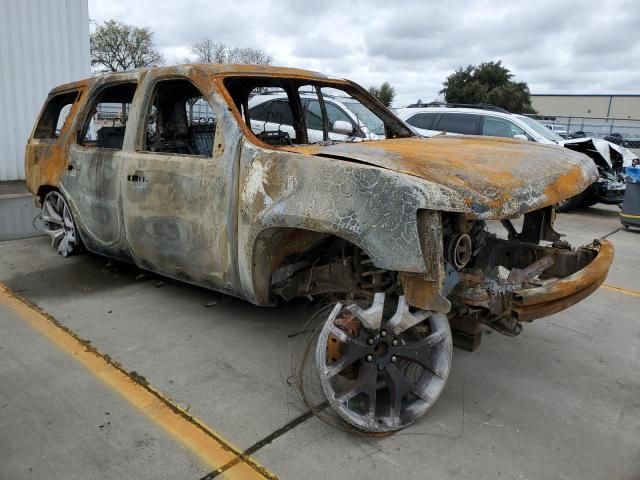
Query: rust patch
(565,185)
(422,293)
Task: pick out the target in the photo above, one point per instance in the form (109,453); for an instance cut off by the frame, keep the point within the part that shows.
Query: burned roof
(213,69)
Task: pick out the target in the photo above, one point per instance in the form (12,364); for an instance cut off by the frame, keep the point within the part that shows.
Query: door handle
(137,177)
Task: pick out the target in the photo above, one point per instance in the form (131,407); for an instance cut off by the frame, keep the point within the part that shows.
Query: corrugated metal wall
(43,43)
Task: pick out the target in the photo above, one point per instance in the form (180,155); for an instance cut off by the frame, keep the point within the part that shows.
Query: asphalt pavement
(109,372)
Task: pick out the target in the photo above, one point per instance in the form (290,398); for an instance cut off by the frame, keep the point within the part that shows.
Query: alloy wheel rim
(388,372)
(58,223)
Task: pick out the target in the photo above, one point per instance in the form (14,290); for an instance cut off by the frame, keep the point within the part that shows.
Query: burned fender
(373,208)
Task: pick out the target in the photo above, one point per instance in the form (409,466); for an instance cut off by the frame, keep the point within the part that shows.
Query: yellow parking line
(625,291)
(182,426)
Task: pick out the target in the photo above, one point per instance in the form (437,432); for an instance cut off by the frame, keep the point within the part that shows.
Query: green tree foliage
(385,93)
(488,83)
(116,46)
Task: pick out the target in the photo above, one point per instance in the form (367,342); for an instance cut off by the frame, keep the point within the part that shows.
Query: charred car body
(179,180)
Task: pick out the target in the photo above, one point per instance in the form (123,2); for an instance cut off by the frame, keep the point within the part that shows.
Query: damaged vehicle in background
(624,140)
(437,118)
(391,231)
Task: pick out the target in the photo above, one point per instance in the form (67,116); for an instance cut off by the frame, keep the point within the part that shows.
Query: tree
(116,46)
(490,83)
(208,51)
(249,56)
(385,93)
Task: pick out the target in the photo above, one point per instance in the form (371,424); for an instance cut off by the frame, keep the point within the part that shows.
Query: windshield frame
(394,127)
(365,120)
(539,128)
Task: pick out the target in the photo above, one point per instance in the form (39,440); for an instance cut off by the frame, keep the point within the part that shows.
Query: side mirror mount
(520,137)
(342,127)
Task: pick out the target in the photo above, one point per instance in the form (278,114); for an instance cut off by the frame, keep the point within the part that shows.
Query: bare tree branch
(116,46)
(209,51)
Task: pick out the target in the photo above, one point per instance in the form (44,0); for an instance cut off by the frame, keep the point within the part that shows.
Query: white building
(594,115)
(623,107)
(43,43)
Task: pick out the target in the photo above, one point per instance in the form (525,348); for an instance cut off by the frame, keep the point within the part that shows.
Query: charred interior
(172,126)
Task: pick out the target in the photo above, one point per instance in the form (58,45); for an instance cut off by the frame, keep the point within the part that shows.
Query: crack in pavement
(267,440)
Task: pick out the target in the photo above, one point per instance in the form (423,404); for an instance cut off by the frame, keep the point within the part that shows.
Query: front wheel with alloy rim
(58,223)
(382,372)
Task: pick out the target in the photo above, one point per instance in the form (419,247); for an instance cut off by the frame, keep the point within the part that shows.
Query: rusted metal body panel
(228,221)
(46,159)
(492,177)
(370,207)
(92,178)
(181,222)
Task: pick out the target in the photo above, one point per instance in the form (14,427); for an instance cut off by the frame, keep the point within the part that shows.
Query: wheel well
(280,246)
(42,192)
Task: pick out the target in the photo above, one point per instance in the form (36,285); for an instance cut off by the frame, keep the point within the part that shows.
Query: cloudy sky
(555,46)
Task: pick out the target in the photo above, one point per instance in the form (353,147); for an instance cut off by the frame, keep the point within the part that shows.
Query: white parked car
(271,115)
(451,119)
(559,129)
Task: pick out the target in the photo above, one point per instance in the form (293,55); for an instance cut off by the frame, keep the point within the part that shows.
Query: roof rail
(479,106)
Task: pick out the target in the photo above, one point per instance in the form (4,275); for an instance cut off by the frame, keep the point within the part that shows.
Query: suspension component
(459,250)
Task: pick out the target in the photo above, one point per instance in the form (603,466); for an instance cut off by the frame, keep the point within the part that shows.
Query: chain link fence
(625,132)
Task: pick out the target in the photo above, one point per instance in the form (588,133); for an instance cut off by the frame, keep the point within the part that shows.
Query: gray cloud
(575,46)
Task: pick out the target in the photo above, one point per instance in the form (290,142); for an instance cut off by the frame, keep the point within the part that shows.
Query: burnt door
(91,180)
(179,188)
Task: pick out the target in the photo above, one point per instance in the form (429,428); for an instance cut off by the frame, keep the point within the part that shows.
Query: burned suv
(165,168)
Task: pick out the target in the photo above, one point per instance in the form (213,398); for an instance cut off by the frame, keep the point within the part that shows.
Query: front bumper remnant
(532,303)
(513,281)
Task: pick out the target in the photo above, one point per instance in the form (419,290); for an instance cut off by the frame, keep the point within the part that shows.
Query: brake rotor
(348,323)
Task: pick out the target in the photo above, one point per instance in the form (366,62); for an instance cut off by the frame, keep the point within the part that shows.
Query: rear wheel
(58,223)
(382,372)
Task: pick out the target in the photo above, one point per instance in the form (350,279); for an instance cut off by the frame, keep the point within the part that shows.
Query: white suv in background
(453,119)
(348,119)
